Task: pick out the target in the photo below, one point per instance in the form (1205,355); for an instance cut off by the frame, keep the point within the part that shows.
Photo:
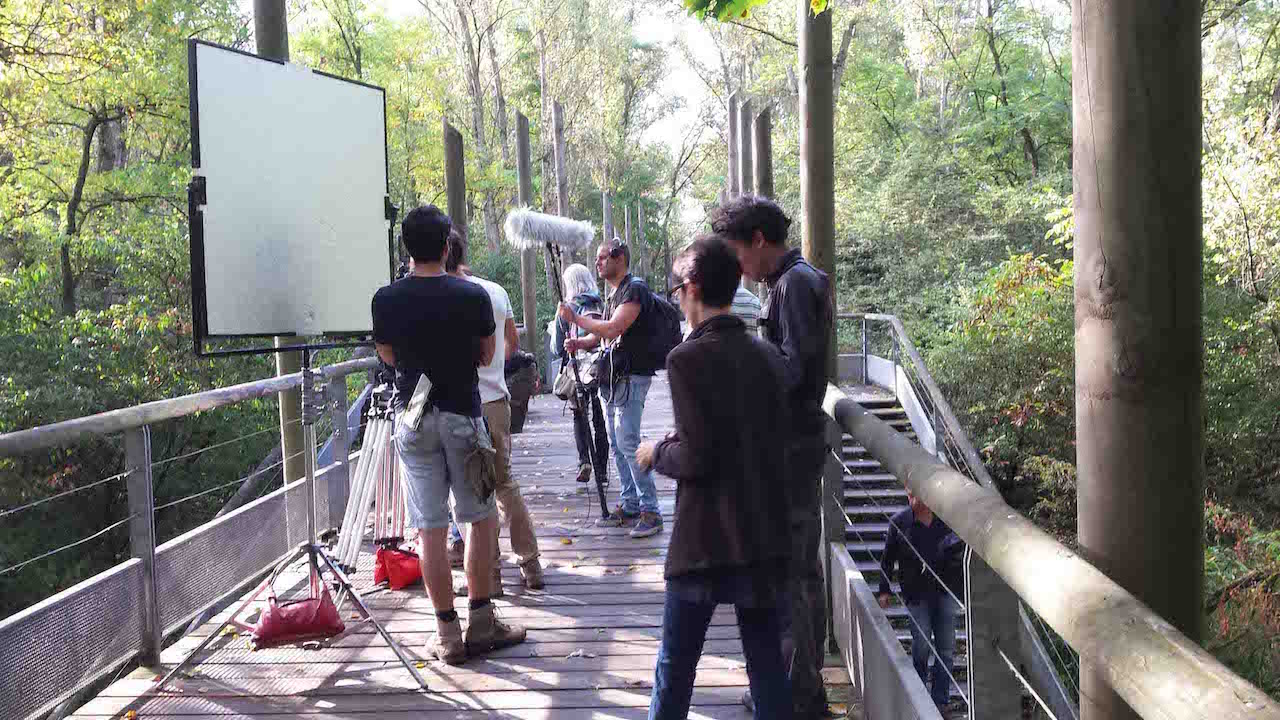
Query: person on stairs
(727,455)
(931,604)
(430,324)
(580,285)
(495,402)
(799,315)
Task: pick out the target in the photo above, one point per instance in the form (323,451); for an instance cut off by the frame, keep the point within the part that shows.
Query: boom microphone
(526,229)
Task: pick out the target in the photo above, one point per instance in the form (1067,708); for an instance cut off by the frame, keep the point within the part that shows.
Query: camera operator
(496,408)
(727,454)
(625,386)
(799,316)
(441,327)
(580,285)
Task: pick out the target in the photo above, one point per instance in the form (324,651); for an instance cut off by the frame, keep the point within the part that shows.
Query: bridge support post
(533,335)
(833,522)
(339,478)
(455,180)
(142,539)
(1136,71)
(817,152)
(731,187)
(762,166)
(992,620)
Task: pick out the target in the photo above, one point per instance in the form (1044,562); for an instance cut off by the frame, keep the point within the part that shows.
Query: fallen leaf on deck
(566,541)
(636,683)
(579,653)
(419,665)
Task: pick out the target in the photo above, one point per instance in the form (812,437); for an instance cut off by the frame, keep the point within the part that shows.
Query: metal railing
(1156,669)
(904,373)
(65,643)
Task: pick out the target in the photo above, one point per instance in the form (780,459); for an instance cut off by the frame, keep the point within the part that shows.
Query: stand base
(316,556)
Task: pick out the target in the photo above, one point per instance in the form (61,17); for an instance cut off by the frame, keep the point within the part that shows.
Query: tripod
(313,404)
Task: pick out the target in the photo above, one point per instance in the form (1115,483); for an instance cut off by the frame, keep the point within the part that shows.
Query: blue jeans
(684,629)
(937,617)
(622,417)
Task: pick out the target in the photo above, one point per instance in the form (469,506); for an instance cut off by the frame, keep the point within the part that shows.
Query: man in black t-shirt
(429,323)
(624,391)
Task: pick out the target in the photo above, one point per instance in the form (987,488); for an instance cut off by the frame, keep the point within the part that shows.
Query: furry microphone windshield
(528,229)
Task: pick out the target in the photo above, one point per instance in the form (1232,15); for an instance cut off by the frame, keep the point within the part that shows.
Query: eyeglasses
(671,294)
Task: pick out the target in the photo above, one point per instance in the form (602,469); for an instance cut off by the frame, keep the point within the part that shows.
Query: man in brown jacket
(730,543)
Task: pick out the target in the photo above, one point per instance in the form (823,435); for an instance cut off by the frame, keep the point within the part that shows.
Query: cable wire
(64,493)
(1026,685)
(1053,646)
(224,443)
(238,481)
(100,533)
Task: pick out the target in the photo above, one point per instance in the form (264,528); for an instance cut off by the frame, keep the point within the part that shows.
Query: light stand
(313,405)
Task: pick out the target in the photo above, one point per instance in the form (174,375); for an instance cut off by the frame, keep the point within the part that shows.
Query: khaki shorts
(432,461)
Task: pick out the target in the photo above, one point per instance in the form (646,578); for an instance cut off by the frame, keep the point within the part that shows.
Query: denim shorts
(432,459)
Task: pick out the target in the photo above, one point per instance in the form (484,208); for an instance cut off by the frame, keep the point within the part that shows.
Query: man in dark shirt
(728,545)
(916,533)
(441,327)
(799,315)
(623,393)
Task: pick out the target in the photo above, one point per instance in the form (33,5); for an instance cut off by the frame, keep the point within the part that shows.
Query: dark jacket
(727,453)
(936,543)
(800,313)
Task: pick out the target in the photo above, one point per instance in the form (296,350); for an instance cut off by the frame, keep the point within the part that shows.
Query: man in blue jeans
(931,604)
(729,544)
(624,390)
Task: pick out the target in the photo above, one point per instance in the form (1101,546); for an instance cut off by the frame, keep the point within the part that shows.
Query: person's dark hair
(457,251)
(737,219)
(714,266)
(425,232)
(617,247)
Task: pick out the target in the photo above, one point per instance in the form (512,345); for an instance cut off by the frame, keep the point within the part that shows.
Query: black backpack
(661,330)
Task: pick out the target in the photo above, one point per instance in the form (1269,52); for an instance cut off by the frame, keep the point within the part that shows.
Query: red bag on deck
(314,618)
(399,568)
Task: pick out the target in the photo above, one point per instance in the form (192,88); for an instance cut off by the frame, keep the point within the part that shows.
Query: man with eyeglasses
(625,384)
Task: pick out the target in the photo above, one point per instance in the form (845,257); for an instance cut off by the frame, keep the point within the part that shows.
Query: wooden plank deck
(592,643)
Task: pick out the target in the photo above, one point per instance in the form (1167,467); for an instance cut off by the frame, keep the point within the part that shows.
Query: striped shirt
(746,306)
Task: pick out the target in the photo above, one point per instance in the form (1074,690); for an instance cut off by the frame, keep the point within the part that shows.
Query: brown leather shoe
(485,632)
(447,643)
(531,573)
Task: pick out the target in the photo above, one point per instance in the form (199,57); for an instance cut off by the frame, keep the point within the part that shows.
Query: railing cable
(100,533)
(239,481)
(1013,669)
(224,443)
(64,493)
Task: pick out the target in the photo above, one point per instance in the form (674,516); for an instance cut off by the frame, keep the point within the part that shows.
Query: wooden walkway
(591,648)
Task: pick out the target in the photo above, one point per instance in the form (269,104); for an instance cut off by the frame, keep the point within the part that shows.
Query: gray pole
(1136,70)
(731,181)
(528,258)
(762,134)
(817,143)
(606,201)
(745,139)
(271,32)
(562,185)
(455,179)
(626,224)
(641,242)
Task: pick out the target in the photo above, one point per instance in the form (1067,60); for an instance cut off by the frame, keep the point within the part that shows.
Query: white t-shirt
(493,380)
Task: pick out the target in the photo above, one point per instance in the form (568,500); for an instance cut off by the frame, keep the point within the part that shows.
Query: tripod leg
(368,615)
(585,401)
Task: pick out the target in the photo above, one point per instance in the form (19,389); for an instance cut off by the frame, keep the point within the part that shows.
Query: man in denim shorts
(441,327)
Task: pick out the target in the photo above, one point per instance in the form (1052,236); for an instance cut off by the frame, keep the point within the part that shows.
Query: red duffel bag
(399,568)
(315,618)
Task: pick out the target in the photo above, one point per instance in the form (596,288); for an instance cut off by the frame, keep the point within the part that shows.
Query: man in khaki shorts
(429,324)
(496,407)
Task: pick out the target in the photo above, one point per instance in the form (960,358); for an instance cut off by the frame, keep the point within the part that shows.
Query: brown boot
(447,643)
(485,632)
(531,573)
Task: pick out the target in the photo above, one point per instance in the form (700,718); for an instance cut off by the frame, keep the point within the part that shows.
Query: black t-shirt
(631,345)
(434,324)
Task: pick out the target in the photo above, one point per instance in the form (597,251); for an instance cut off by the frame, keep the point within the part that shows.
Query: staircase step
(856,465)
(881,511)
(861,477)
(866,530)
(875,494)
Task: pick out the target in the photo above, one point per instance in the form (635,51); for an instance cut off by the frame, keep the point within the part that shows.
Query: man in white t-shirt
(496,407)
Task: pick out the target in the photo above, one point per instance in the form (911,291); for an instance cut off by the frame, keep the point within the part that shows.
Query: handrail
(1159,672)
(112,421)
(951,424)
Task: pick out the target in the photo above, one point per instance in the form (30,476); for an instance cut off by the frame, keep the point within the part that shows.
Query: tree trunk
(533,336)
(606,202)
(499,101)
(746,179)
(817,146)
(1136,72)
(455,180)
(71,228)
(1273,117)
(841,63)
(545,121)
(732,189)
